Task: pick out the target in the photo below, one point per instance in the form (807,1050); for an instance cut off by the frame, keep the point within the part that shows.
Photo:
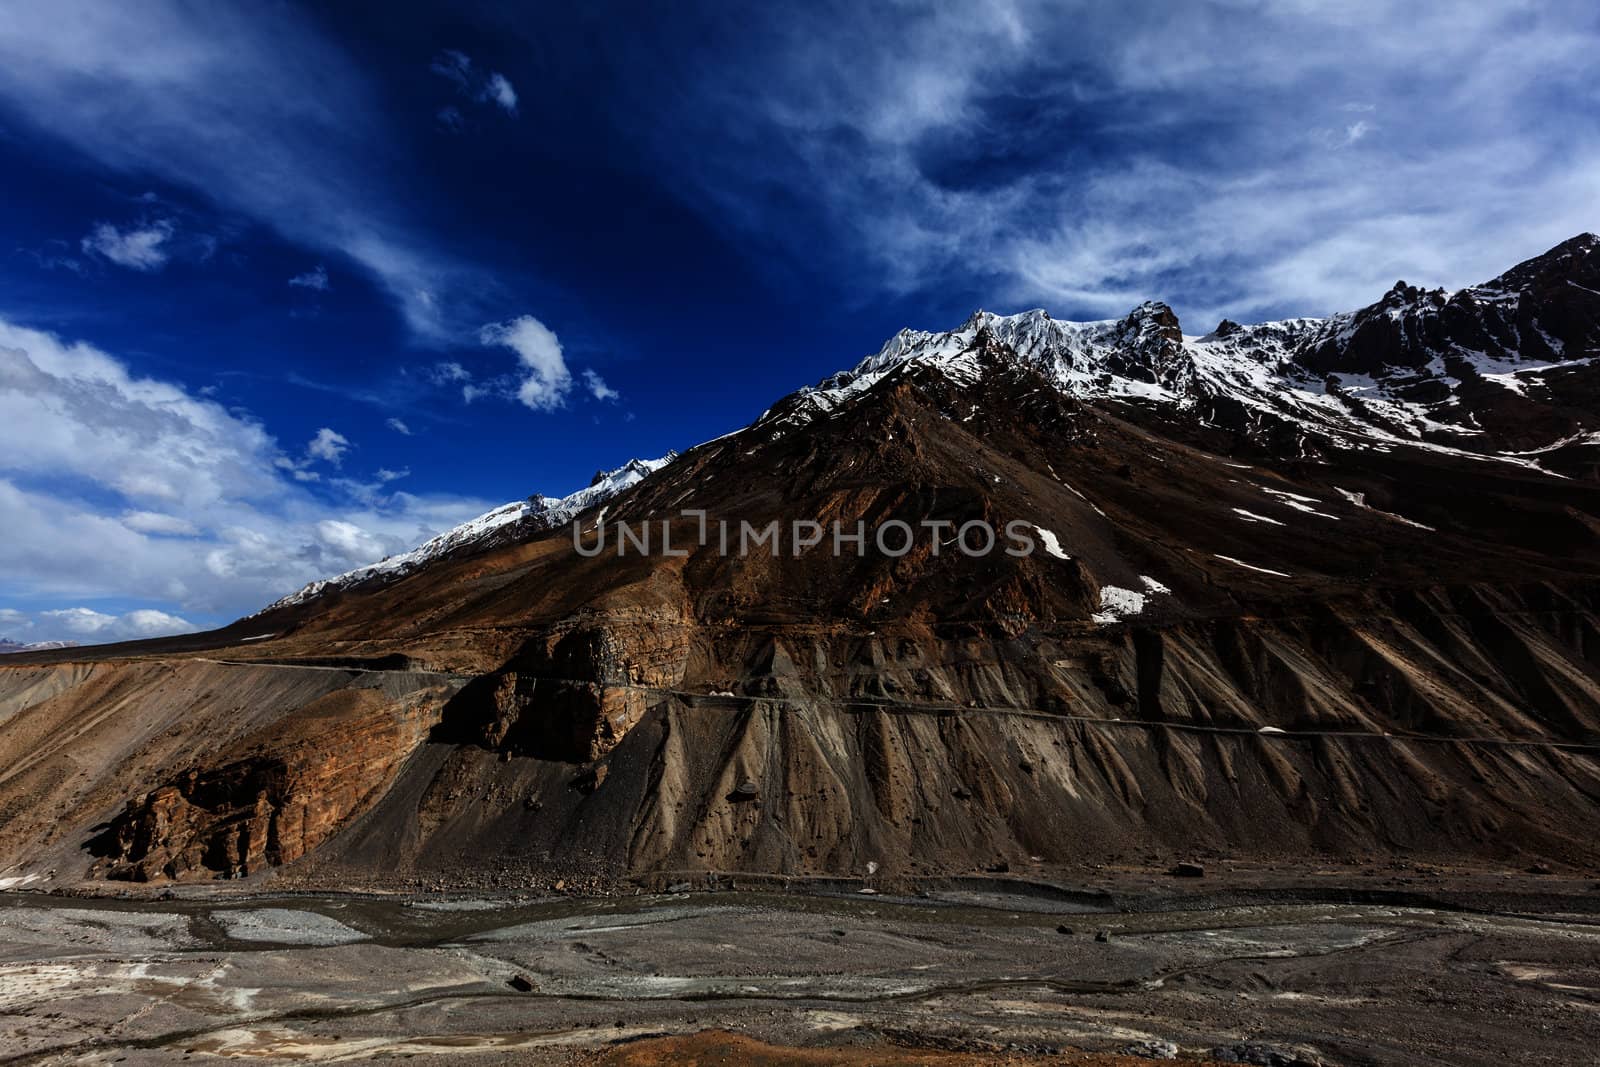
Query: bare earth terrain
(1455,969)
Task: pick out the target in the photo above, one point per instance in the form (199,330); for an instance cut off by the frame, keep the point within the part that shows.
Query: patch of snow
(1051,544)
(1250,516)
(1298,502)
(1360,501)
(1116,603)
(1249,566)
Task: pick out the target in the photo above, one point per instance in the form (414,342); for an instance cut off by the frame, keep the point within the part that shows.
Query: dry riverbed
(950,977)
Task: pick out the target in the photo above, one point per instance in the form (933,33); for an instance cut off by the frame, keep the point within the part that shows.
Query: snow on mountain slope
(1409,370)
(535,513)
(1504,372)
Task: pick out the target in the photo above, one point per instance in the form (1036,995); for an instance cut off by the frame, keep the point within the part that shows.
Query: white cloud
(147,622)
(546,380)
(349,540)
(598,387)
(83,621)
(449,372)
(154,522)
(87,623)
(399,427)
(500,91)
(315,278)
(1356,130)
(329,445)
(142,247)
(114,486)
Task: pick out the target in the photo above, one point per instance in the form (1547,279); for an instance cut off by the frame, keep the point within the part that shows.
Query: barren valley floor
(1335,968)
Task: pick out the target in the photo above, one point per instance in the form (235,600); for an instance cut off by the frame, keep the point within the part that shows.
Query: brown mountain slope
(1420,629)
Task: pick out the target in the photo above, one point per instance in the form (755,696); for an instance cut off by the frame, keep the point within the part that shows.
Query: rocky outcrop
(574,693)
(285,790)
(193,768)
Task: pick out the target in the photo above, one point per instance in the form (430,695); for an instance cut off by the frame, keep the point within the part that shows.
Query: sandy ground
(966,977)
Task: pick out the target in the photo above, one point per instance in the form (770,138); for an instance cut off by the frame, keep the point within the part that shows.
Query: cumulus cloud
(545,381)
(148,622)
(84,625)
(142,247)
(81,620)
(473,82)
(115,485)
(315,278)
(88,623)
(349,540)
(598,387)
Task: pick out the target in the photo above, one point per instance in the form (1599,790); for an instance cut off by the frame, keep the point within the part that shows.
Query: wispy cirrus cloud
(315,278)
(1088,157)
(252,107)
(474,82)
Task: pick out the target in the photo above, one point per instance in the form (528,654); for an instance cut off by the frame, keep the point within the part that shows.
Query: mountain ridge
(1286,639)
(1268,382)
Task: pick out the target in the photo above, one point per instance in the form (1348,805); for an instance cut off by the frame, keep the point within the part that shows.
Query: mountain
(8,646)
(1505,371)
(1310,591)
(506,524)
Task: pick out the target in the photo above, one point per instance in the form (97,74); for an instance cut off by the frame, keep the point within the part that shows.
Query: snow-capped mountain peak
(1480,373)
(1424,367)
(499,526)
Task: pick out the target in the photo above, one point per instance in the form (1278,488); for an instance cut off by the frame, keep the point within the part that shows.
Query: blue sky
(285,288)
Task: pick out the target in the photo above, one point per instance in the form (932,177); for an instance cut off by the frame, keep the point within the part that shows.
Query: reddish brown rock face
(290,787)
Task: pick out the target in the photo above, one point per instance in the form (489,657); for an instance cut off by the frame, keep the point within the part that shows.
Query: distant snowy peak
(8,646)
(1426,367)
(500,526)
